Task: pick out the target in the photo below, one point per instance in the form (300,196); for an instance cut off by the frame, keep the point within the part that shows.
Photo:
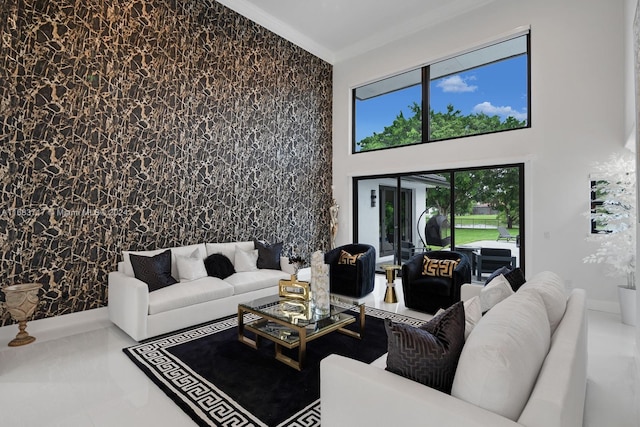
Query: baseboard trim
(60,326)
(606,306)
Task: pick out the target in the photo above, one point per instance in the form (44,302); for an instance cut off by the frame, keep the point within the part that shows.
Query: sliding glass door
(466,210)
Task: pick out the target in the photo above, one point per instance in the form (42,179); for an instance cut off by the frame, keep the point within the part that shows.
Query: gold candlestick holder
(21,302)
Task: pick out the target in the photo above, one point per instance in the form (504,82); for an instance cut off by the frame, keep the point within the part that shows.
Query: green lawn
(469,235)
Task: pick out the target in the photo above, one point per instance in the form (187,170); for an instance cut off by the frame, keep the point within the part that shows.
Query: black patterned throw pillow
(268,255)
(428,354)
(502,270)
(155,271)
(515,278)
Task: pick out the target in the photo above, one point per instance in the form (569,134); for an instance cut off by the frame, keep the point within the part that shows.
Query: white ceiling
(338,29)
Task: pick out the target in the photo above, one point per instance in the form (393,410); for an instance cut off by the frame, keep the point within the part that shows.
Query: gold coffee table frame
(294,331)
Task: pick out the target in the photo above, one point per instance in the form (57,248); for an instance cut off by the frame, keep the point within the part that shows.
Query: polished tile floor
(76,374)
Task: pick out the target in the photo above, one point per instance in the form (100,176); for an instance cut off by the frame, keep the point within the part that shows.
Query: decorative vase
(627,297)
(294,289)
(320,295)
(21,302)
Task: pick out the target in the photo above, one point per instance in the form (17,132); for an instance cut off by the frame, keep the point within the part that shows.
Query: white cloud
(457,84)
(504,112)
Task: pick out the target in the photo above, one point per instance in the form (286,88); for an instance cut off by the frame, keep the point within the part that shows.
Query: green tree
(402,131)
(443,125)
(453,124)
(498,187)
(466,194)
(501,190)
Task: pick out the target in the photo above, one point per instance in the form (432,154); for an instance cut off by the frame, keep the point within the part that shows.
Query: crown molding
(259,16)
(411,26)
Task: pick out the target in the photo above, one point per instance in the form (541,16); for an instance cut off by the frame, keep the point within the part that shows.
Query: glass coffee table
(292,323)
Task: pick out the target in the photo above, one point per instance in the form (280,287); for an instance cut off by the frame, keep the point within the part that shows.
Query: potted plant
(615,185)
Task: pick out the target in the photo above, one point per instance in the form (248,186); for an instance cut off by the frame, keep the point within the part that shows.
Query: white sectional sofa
(495,368)
(143,314)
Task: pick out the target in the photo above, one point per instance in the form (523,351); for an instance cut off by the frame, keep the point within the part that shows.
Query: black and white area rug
(219,381)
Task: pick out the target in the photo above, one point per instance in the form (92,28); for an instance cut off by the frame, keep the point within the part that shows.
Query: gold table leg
(303,337)
(356,334)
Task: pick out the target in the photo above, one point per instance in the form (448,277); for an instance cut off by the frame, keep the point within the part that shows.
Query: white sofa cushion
(558,398)
(552,290)
(501,359)
(495,291)
(247,281)
(188,293)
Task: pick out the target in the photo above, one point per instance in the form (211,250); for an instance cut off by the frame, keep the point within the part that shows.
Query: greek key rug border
(209,404)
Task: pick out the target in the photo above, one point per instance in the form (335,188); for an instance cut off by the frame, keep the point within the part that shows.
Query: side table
(390,293)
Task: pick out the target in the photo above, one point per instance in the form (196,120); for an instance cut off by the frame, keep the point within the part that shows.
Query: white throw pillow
(190,267)
(495,291)
(552,290)
(246,260)
(501,359)
(472,314)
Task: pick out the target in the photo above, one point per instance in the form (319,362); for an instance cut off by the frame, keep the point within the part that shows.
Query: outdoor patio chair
(434,231)
(503,233)
(491,259)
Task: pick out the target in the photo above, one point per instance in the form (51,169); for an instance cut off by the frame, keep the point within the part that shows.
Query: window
(598,207)
(482,91)
(389,112)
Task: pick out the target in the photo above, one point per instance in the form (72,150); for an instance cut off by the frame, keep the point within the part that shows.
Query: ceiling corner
(259,16)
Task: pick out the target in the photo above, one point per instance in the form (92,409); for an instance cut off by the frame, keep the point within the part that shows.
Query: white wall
(578,116)
(369,225)
(630,123)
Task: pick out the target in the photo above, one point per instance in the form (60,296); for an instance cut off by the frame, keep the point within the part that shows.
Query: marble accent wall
(128,124)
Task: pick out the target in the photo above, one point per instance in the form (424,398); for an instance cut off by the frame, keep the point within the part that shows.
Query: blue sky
(495,89)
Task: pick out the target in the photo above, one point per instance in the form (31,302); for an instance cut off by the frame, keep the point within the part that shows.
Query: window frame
(595,204)
(520,166)
(425,102)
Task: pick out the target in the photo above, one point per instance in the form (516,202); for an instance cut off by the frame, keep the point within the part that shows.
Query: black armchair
(354,276)
(440,287)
